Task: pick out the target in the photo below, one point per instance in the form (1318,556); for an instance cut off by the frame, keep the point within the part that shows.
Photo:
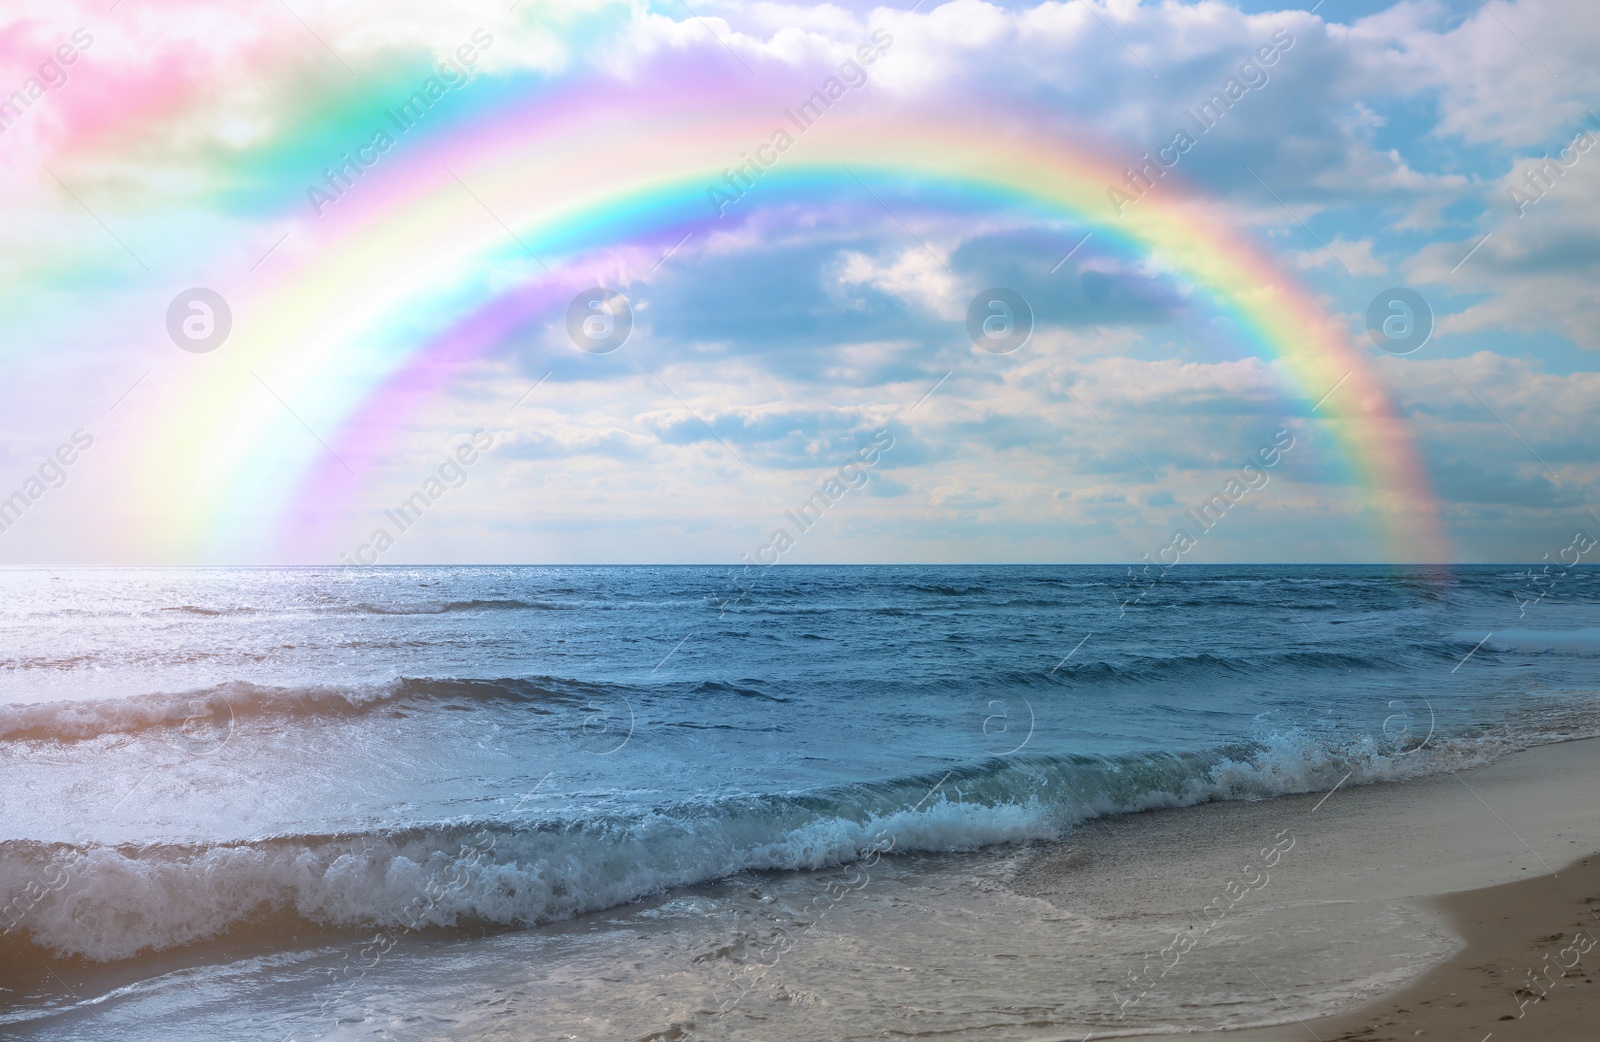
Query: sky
(394,283)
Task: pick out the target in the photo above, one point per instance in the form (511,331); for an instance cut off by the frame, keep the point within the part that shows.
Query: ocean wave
(717,687)
(950,590)
(446,607)
(323,605)
(206,710)
(1582,642)
(109,902)
(1143,669)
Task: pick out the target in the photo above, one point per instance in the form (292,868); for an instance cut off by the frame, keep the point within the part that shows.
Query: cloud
(915,276)
(1511,74)
(777,434)
(1355,257)
(1382,148)
(1536,259)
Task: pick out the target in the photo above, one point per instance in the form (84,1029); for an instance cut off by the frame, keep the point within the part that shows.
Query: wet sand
(1404,910)
(1527,972)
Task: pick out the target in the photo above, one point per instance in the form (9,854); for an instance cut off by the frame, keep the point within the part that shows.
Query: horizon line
(822,564)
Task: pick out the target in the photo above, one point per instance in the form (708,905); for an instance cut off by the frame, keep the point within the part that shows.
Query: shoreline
(1382,919)
(1527,971)
(1373,902)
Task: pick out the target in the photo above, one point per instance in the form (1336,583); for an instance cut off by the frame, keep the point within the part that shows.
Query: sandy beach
(1493,866)
(1527,971)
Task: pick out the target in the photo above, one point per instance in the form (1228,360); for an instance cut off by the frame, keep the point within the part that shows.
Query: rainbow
(455,245)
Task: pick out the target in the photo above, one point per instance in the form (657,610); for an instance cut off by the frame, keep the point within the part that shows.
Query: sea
(657,803)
